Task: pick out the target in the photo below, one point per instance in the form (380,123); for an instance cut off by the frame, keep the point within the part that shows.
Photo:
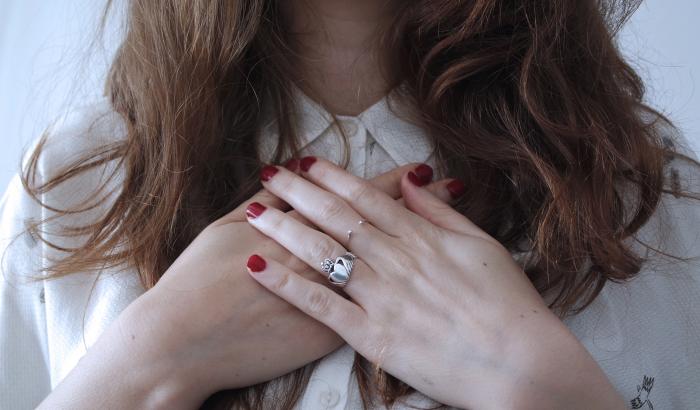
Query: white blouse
(645,333)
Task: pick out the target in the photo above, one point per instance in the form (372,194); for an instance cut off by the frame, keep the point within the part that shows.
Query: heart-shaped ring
(339,272)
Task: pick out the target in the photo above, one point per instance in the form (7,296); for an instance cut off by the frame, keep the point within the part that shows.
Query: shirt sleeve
(24,355)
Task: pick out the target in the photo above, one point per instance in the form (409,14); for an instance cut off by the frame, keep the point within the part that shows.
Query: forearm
(120,372)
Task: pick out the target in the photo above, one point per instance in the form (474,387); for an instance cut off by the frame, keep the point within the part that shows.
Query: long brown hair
(529,102)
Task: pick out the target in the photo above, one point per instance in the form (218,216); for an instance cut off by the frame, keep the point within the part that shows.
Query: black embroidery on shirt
(643,391)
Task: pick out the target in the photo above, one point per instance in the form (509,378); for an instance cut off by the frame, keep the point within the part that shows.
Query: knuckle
(423,235)
(321,169)
(281,282)
(318,303)
(376,346)
(401,258)
(331,208)
(360,189)
(276,222)
(347,319)
(430,235)
(405,258)
(321,250)
(284,184)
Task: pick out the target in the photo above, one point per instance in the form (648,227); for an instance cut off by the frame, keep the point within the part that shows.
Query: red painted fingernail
(306,163)
(424,172)
(268,172)
(256,263)
(415,180)
(456,188)
(254,210)
(292,164)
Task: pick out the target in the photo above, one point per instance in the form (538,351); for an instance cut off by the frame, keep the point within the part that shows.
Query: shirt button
(349,126)
(329,398)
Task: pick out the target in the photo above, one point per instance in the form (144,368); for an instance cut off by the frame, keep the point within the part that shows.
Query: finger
(308,244)
(264,197)
(446,190)
(293,165)
(344,317)
(374,205)
(424,203)
(390,182)
(299,217)
(324,209)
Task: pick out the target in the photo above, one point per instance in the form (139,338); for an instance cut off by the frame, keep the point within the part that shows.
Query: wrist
(549,368)
(165,379)
(128,367)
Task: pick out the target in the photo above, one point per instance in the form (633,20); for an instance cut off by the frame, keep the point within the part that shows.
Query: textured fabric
(644,333)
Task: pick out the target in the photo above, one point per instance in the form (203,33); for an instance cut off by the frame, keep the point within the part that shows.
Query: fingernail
(424,172)
(254,210)
(292,164)
(256,263)
(415,180)
(268,172)
(456,188)
(306,163)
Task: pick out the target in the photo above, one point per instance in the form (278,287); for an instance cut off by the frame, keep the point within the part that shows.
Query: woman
(559,277)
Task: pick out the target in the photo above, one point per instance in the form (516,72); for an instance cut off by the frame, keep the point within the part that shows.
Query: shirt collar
(386,121)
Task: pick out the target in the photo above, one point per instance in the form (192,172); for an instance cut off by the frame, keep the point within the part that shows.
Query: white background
(47,63)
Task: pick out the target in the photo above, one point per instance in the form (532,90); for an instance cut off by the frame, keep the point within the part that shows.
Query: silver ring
(340,270)
(360,222)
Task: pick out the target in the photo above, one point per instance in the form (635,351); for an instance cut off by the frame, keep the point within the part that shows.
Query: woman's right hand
(206,325)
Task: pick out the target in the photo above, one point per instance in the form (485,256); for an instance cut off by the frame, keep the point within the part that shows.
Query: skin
(174,341)
(434,300)
(339,60)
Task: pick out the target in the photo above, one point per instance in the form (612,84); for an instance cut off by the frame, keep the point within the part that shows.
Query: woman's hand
(435,301)
(206,325)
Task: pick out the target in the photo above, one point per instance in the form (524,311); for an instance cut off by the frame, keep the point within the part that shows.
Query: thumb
(426,204)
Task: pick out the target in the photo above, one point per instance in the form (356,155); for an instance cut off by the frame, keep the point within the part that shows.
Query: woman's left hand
(434,300)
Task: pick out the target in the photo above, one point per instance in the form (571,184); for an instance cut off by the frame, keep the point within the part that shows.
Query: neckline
(384,120)
(303,97)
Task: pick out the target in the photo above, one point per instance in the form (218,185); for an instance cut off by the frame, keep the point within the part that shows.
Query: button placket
(358,147)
